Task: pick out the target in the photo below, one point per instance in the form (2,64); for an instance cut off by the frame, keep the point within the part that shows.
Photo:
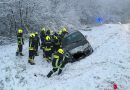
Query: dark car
(76,46)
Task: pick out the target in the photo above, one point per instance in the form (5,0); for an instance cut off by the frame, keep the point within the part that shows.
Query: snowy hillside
(33,14)
(109,63)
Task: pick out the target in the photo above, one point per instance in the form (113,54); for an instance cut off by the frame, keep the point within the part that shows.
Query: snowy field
(109,63)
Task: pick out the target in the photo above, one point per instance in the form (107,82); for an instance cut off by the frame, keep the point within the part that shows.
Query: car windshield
(73,38)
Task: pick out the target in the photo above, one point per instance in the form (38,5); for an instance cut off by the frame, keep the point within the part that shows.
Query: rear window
(73,38)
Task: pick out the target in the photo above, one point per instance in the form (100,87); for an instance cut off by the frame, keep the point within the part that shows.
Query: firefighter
(56,42)
(47,49)
(20,42)
(31,49)
(59,61)
(62,33)
(42,36)
(37,42)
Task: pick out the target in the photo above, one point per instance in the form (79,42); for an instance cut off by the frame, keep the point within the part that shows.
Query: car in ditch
(76,46)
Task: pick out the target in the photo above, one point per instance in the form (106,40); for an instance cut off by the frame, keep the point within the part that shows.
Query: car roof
(72,31)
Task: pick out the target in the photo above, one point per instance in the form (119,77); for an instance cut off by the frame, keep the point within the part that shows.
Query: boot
(21,54)
(31,62)
(17,53)
(59,71)
(49,74)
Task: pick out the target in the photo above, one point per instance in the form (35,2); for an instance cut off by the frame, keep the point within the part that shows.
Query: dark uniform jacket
(31,43)
(57,60)
(47,45)
(20,39)
(37,40)
(42,36)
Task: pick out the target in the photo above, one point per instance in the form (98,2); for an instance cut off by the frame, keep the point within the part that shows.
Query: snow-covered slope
(109,63)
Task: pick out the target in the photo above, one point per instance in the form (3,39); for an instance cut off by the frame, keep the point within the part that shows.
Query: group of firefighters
(51,44)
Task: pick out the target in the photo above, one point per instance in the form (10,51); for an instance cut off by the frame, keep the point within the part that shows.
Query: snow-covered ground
(109,63)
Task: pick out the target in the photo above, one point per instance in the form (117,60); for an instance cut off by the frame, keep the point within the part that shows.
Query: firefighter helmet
(64,30)
(48,38)
(20,30)
(32,35)
(43,29)
(61,51)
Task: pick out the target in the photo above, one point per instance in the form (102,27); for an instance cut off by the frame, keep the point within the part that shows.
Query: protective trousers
(48,55)
(19,50)
(31,56)
(36,47)
(20,47)
(59,69)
